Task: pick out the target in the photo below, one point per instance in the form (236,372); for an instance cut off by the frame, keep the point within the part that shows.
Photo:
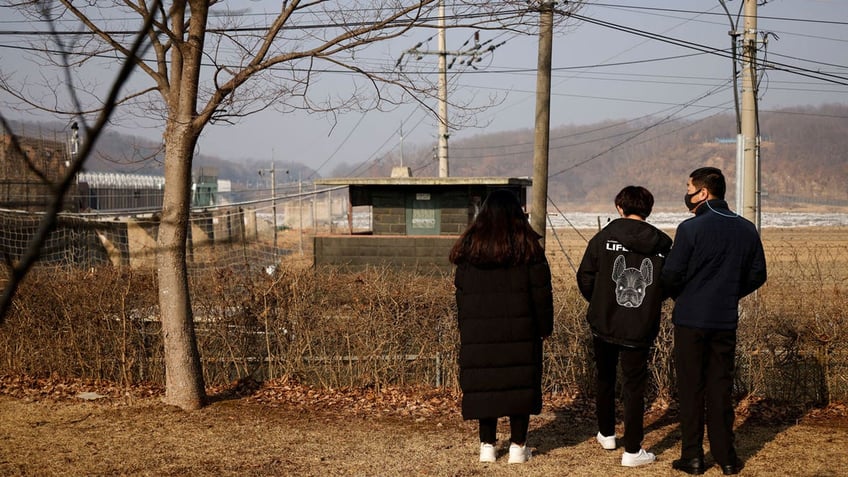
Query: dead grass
(288,429)
(247,437)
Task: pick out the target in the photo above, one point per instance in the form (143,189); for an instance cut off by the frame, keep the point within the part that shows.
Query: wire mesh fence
(373,327)
(90,309)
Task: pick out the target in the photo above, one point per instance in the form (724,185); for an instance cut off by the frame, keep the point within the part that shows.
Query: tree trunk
(184,386)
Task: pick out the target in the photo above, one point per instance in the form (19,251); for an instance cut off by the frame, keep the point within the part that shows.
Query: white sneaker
(607,442)
(487,452)
(518,454)
(637,459)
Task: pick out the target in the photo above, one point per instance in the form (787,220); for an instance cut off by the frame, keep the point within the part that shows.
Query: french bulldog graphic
(630,283)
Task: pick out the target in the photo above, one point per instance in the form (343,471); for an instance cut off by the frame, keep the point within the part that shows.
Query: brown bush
(382,326)
(98,324)
(794,331)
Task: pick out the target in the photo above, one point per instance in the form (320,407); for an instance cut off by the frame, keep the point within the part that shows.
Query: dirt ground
(49,427)
(285,430)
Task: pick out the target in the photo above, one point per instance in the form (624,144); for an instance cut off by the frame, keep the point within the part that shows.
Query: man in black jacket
(619,275)
(717,259)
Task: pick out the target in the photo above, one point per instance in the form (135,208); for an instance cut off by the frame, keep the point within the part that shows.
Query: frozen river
(668,220)
(663,220)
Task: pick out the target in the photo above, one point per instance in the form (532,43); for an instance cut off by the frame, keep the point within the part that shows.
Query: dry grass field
(791,246)
(251,436)
(285,428)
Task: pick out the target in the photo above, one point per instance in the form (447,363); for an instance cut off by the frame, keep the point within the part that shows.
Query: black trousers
(634,371)
(705,361)
(518,426)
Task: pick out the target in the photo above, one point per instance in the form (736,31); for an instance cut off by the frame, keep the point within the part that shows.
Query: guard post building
(413,221)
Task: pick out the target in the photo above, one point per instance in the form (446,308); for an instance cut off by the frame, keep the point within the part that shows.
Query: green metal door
(422,214)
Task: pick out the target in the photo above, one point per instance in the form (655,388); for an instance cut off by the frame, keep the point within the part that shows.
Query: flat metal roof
(419,181)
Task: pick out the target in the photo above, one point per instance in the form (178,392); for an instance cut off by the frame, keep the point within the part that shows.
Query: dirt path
(249,438)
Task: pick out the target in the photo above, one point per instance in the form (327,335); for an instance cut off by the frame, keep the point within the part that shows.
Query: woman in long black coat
(505,310)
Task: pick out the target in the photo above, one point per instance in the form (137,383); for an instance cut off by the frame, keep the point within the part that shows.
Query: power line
(648,35)
(639,133)
(831,78)
(321,25)
(765,17)
(702,49)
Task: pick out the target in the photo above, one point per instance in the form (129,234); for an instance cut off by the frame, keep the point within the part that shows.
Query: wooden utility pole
(748,174)
(539,204)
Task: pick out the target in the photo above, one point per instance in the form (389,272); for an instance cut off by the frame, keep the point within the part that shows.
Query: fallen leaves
(60,388)
(416,403)
(406,401)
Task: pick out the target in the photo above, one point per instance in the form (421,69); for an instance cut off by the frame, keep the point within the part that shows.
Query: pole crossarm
(474,54)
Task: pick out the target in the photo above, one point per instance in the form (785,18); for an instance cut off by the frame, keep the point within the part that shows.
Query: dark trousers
(704,360)
(634,371)
(518,426)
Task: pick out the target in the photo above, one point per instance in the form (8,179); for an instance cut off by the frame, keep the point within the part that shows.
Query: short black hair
(710,178)
(635,200)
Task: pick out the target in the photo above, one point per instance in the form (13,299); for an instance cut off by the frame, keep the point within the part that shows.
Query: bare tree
(204,63)
(17,270)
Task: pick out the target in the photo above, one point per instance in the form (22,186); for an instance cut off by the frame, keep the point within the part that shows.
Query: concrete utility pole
(300,207)
(274,203)
(748,172)
(444,169)
(472,54)
(539,204)
(273,175)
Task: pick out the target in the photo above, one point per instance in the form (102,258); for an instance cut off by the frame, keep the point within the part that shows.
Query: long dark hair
(500,235)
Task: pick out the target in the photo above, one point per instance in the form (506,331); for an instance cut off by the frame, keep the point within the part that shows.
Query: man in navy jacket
(717,258)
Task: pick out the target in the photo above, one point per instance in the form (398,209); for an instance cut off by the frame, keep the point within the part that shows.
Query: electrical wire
(702,49)
(822,76)
(639,133)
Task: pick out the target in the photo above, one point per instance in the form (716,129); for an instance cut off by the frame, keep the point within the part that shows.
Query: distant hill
(804,157)
(117,152)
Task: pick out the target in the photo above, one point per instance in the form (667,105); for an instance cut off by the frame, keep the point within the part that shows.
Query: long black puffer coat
(504,313)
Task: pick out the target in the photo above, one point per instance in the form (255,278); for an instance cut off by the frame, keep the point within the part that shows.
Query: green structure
(414,220)
(205,187)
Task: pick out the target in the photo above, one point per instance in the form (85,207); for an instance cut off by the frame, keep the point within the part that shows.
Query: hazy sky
(600,72)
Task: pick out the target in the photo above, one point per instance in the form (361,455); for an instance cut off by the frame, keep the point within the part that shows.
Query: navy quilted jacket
(717,258)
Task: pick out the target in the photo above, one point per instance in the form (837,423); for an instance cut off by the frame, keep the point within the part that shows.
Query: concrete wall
(317,211)
(141,243)
(390,209)
(455,212)
(389,213)
(228,225)
(425,253)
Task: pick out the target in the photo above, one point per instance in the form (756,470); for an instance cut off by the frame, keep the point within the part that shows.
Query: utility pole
(444,169)
(539,206)
(473,54)
(749,172)
(401,144)
(300,207)
(273,175)
(274,203)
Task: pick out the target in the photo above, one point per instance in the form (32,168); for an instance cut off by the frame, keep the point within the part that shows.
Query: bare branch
(20,269)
